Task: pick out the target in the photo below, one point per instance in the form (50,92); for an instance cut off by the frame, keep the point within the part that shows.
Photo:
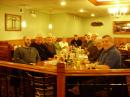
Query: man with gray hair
(110,56)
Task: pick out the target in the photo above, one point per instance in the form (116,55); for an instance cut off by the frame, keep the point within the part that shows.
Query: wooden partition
(62,73)
(61,80)
(21,80)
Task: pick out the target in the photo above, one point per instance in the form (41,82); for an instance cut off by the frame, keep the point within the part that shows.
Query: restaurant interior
(69,72)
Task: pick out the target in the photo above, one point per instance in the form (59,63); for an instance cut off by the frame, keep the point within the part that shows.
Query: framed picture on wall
(121,27)
(12,22)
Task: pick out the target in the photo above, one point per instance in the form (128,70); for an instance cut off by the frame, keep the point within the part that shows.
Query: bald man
(26,54)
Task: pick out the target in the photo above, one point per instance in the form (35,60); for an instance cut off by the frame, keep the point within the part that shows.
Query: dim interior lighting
(24,24)
(62,3)
(117,11)
(50,26)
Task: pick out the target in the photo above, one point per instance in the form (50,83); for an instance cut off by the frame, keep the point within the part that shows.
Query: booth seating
(5,51)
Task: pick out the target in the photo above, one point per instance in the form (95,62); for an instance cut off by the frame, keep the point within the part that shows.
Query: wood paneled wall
(7,46)
(119,41)
(5,51)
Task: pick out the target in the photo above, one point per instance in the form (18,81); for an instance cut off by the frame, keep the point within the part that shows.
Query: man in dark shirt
(42,49)
(49,43)
(25,55)
(85,41)
(76,42)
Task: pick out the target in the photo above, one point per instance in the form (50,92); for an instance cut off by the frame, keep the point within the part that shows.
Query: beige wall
(64,25)
(35,26)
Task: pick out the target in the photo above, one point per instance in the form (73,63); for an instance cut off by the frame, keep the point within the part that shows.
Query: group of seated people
(102,51)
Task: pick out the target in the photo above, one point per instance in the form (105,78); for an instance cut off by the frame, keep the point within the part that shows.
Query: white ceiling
(54,6)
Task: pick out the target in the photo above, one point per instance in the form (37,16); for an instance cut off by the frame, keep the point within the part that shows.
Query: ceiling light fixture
(81,10)
(117,11)
(109,2)
(33,13)
(63,3)
(50,25)
(92,15)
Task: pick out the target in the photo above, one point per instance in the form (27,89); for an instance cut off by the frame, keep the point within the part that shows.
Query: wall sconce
(33,13)
(50,26)
(24,24)
(63,3)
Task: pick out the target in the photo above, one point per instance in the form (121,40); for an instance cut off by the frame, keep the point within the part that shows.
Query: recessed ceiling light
(62,3)
(92,15)
(81,10)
